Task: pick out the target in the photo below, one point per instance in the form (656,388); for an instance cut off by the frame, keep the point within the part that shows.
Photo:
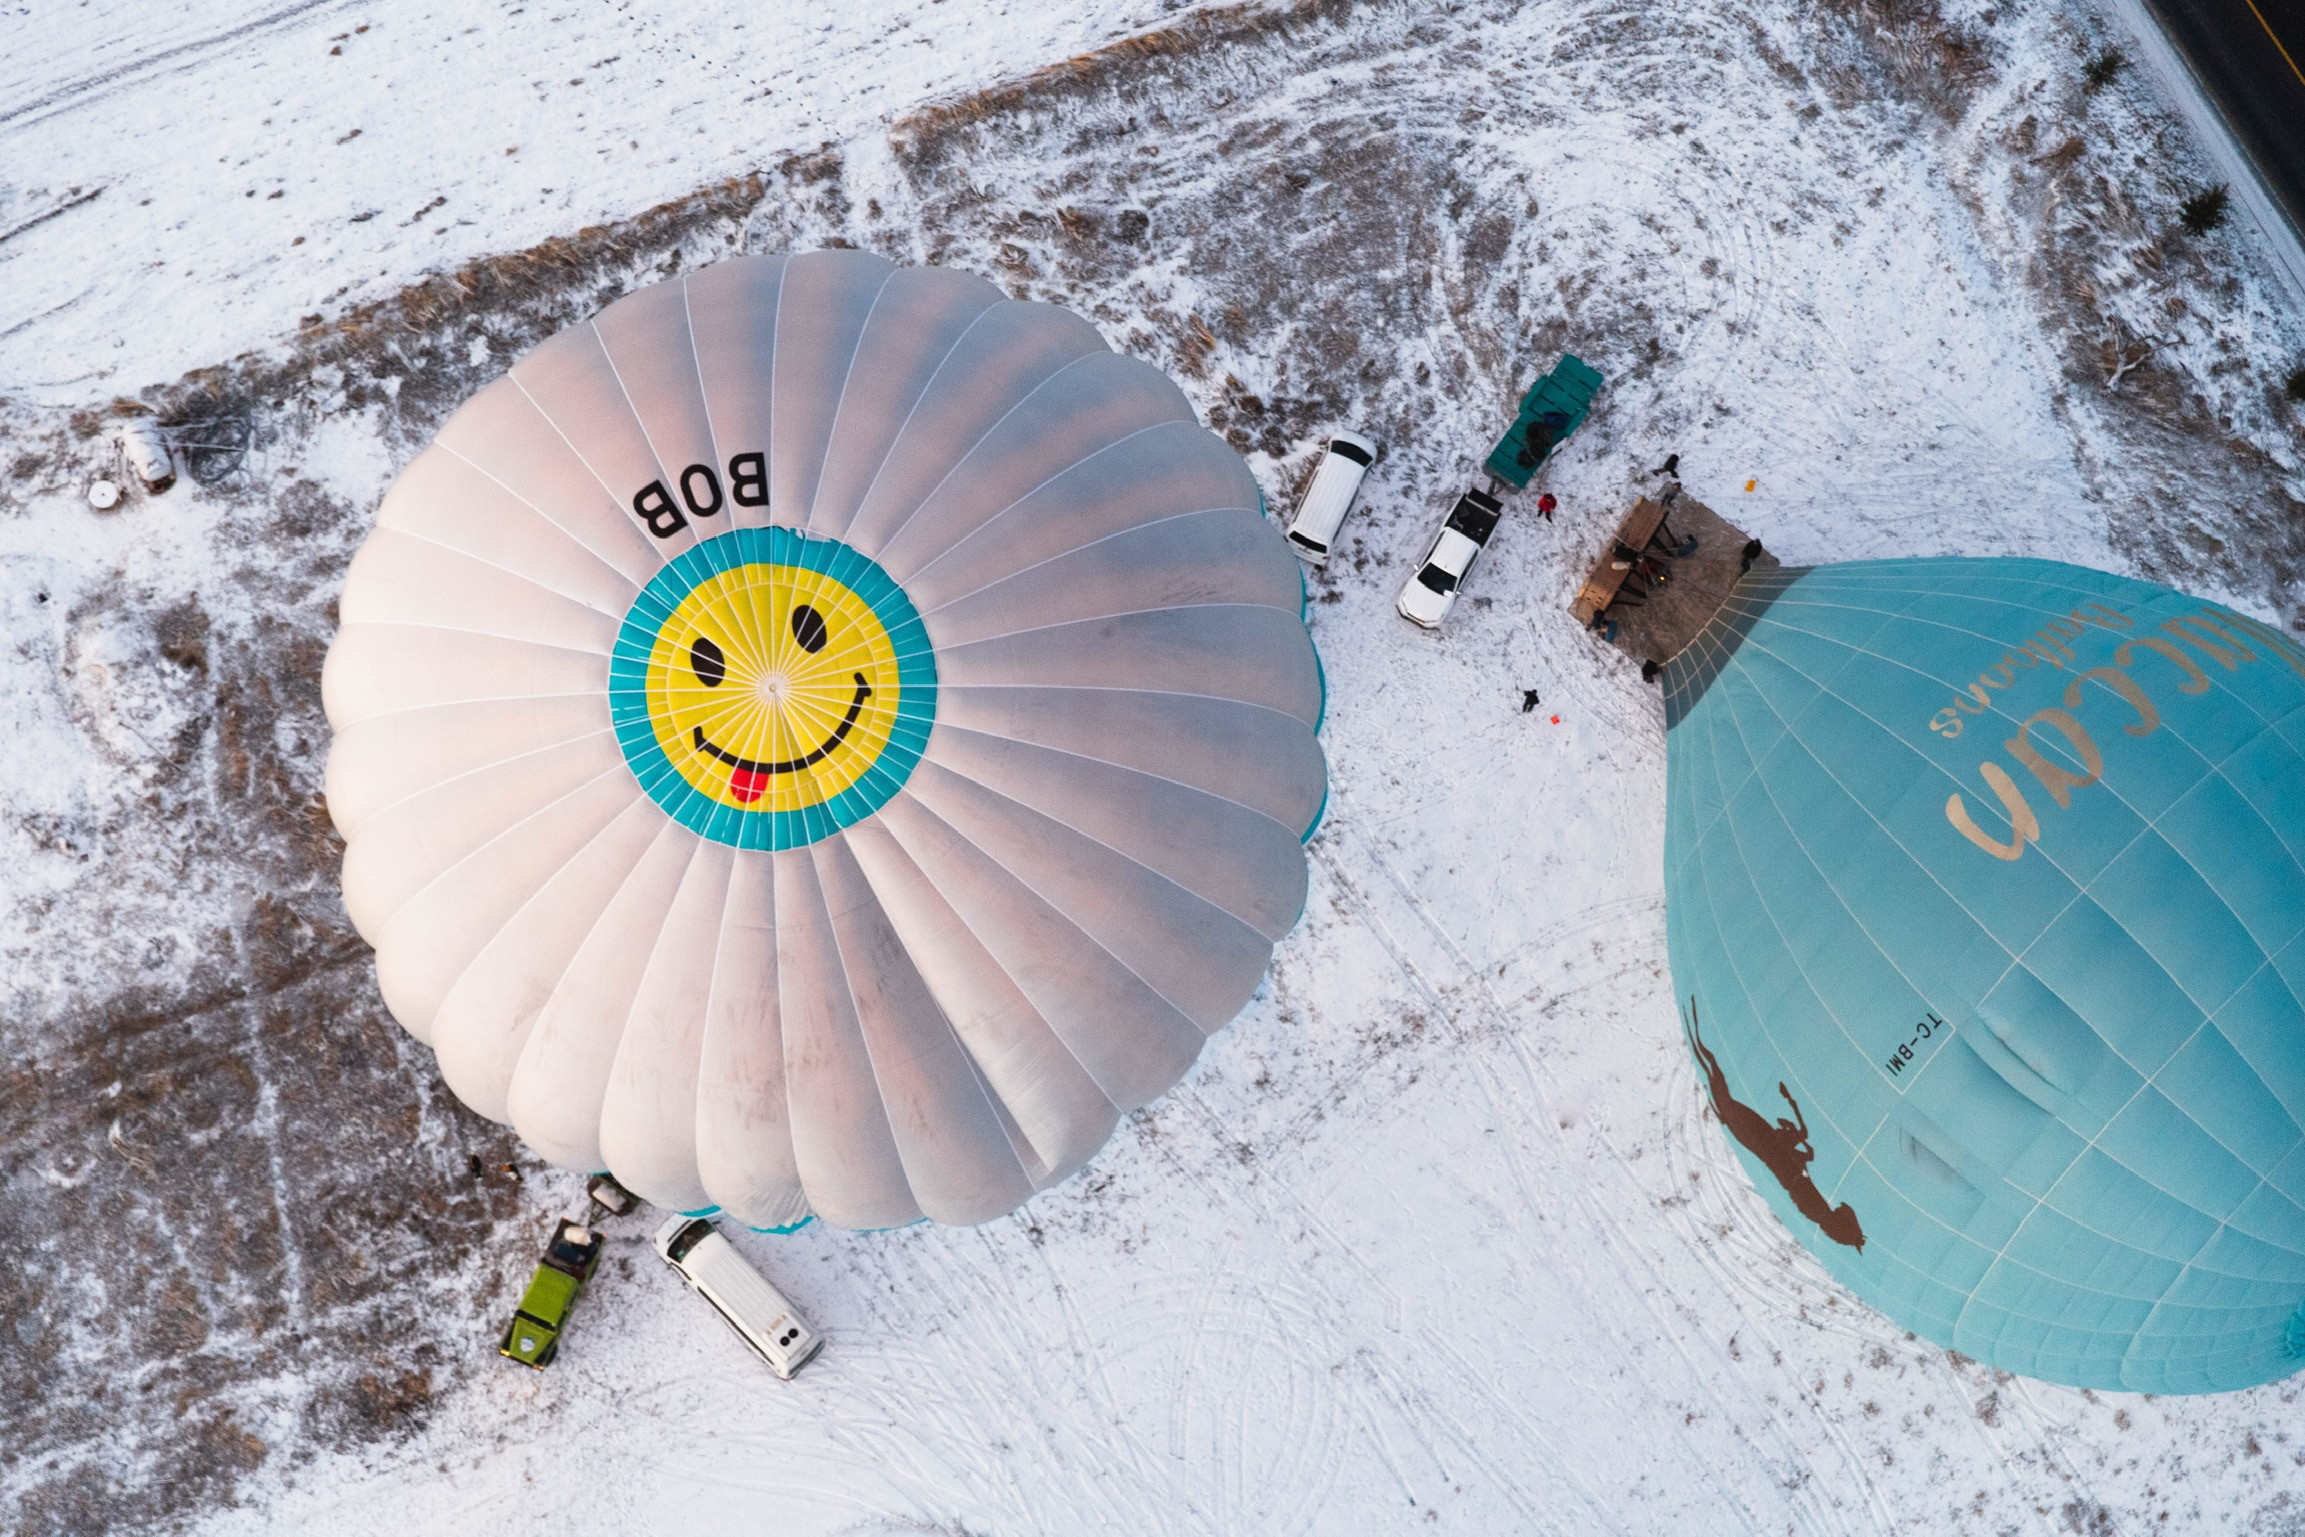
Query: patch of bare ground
(2162,341)
(225,1193)
(246,1220)
(2166,348)
(1226,199)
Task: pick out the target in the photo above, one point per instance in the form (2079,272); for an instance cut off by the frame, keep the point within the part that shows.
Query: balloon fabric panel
(1983,907)
(700,851)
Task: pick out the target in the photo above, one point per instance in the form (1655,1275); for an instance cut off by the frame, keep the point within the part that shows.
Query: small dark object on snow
(1529,700)
(1745,557)
(610,1196)
(2294,385)
(2204,210)
(1671,466)
(1538,441)
(2101,70)
(1649,670)
(214,448)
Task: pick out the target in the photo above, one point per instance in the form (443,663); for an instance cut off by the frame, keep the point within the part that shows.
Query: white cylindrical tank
(145,446)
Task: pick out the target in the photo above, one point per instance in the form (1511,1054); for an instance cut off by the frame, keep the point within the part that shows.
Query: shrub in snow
(2204,210)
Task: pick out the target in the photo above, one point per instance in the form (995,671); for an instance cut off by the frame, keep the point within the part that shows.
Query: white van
(756,1310)
(1329,496)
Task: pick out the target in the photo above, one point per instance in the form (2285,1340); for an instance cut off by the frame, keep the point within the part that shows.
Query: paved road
(2250,56)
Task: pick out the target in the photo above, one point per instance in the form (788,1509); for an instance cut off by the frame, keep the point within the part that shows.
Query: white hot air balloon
(823,738)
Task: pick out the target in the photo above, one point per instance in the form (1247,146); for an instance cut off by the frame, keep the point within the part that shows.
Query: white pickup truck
(1432,591)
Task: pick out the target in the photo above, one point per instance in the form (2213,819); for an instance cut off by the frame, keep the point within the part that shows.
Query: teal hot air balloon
(1986,905)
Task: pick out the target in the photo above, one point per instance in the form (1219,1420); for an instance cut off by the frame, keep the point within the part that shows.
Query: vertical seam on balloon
(1090,544)
(696,359)
(960,916)
(614,616)
(775,360)
(951,768)
(993,1104)
(526,905)
(565,531)
(1737,843)
(817,850)
(822,904)
(696,362)
(626,1036)
(575,954)
(656,455)
(765,861)
(864,497)
(607,729)
(963,456)
(2147,1080)
(570,443)
(720,946)
(847,375)
(1037,488)
(1861,1152)
(1049,902)
(1126,768)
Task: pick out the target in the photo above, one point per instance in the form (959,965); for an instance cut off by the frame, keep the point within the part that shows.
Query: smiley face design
(769,689)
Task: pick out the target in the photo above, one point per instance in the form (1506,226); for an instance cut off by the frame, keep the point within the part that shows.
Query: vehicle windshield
(686,1239)
(1438,580)
(569,1250)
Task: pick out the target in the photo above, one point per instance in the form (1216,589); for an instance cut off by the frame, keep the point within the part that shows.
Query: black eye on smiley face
(710,663)
(748,779)
(707,662)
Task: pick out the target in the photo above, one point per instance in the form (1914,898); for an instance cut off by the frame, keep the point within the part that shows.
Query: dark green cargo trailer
(1554,407)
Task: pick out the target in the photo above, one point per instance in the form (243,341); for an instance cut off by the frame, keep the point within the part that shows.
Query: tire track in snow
(1824,1517)
(90,89)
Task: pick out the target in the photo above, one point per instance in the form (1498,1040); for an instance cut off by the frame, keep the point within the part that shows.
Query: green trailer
(1554,407)
(571,1256)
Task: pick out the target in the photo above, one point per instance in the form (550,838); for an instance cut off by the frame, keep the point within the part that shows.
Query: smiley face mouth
(748,778)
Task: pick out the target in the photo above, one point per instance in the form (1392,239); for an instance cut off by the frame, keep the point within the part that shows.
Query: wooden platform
(1653,622)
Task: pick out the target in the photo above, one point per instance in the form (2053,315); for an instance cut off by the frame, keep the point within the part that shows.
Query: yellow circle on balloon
(772,687)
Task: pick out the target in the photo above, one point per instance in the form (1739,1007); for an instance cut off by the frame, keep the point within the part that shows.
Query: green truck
(1554,407)
(569,1260)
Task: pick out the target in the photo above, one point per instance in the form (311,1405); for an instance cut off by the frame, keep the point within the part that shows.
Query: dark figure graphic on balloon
(1784,1147)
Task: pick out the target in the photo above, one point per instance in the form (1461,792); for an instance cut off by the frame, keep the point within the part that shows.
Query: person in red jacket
(1545,506)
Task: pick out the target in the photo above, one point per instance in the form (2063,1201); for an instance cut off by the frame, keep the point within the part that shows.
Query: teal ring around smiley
(628,704)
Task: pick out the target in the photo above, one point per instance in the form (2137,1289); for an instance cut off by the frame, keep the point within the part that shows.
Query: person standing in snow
(1671,466)
(1545,506)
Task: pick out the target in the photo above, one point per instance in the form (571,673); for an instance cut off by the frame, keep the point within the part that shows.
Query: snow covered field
(1440,1233)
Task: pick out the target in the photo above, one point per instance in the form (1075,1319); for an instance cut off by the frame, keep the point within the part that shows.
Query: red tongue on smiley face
(747,785)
